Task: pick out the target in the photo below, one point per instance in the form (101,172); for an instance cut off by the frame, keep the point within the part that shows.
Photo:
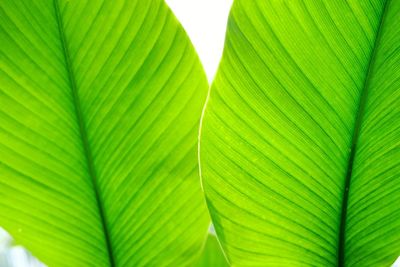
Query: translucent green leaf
(300,142)
(212,255)
(99,109)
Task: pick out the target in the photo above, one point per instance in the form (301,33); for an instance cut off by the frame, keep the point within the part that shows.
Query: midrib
(83,132)
(356,133)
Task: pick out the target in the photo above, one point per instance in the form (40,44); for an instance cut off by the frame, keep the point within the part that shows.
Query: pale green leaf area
(17,256)
(100,103)
(212,255)
(300,139)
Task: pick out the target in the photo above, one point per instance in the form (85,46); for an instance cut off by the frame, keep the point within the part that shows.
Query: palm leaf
(99,110)
(300,139)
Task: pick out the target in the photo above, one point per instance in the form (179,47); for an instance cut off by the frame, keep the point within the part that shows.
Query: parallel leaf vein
(356,134)
(83,132)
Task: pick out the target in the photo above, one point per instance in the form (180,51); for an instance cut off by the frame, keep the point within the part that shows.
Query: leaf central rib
(83,133)
(356,133)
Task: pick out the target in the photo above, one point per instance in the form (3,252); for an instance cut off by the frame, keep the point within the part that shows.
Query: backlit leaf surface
(300,141)
(99,109)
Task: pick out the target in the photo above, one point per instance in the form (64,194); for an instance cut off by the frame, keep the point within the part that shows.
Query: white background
(205,22)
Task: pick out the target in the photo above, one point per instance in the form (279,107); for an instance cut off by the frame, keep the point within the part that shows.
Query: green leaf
(212,255)
(300,139)
(99,109)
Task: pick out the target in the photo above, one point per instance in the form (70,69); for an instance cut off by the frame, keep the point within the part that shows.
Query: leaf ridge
(356,134)
(83,132)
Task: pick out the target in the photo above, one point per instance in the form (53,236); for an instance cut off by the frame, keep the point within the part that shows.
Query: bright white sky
(205,22)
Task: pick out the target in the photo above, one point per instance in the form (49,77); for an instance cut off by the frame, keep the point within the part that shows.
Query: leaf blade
(374,221)
(141,87)
(278,126)
(212,254)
